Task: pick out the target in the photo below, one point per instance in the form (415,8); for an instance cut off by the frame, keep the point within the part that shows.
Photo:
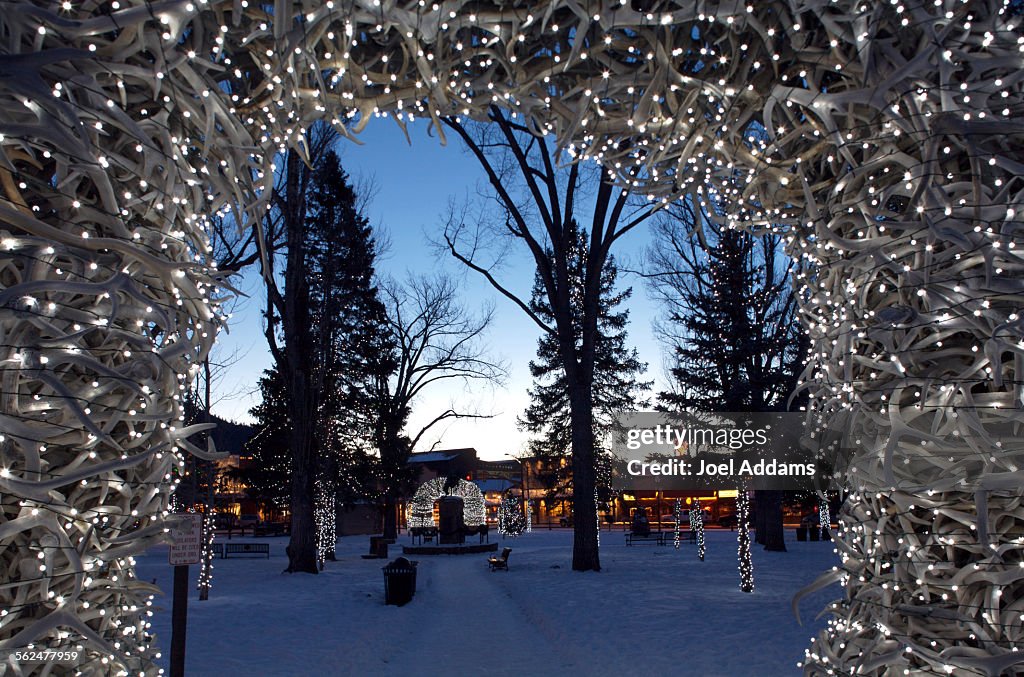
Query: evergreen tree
(351,347)
(511,521)
(616,368)
(268,474)
(735,341)
(323,330)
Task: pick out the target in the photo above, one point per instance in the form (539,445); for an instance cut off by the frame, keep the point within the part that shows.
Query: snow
(649,609)
(494,485)
(432,456)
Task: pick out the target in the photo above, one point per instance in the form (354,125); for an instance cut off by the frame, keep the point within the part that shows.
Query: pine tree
(736,344)
(267,475)
(616,368)
(347,320)
(323,330)
(735,340)
(511,521)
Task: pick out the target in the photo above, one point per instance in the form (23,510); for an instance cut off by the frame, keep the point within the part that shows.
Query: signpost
(185,549)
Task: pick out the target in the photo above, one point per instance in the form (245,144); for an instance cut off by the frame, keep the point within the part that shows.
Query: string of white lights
(677,513)
(510,517)
(746,564)
(890,159)
(697,525)
(421,507)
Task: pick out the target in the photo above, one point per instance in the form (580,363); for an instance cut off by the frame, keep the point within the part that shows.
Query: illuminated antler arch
(891,152)
(421,507)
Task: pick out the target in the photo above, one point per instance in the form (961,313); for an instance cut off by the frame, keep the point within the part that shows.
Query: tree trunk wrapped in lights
(677,513)
(746,566)
(697,524)
(893,155)
(510,517)
(205,581)
(326,512)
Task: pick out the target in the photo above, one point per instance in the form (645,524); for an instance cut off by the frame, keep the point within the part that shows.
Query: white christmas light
(884,182)
(697,525)
(510,517)
(421,507)
(746,565)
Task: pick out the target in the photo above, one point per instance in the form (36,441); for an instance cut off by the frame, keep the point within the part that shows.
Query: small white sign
(187,546)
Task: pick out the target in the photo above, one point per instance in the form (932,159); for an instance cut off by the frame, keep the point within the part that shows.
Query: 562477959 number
(32,656)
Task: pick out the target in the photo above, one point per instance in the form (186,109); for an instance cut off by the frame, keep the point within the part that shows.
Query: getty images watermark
(699,450)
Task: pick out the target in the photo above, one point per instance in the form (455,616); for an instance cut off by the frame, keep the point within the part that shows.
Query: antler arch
(891,152)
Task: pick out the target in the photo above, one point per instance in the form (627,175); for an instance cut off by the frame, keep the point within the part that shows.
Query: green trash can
(399,581)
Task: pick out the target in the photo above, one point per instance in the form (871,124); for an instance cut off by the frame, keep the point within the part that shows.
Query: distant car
(248,521)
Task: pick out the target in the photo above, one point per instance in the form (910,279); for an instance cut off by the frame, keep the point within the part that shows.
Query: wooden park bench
(501,561)
(656,537)
(247,549)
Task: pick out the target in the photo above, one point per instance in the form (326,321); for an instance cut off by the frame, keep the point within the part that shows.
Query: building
(443,463)
(547,486)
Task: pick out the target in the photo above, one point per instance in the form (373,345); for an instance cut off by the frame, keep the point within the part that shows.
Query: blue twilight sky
(414,187)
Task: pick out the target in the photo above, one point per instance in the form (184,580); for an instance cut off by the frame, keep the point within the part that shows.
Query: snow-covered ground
(650,609)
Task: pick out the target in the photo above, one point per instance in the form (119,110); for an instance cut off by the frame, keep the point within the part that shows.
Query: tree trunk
(302,555)
(206,565)
(760,499)
(393,461)
(585,555)
(769,520)
(390,516)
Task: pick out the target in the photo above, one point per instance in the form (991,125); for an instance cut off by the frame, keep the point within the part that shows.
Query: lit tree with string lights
(677,513)
(697,526)
(511,521)
(746,566)
(824,515)
(891,156)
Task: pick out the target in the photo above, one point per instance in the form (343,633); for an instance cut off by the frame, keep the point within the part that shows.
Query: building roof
(440,455)
(494,485)
(431,457)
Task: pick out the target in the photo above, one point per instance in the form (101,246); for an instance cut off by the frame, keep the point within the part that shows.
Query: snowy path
(469,614)
(651,610)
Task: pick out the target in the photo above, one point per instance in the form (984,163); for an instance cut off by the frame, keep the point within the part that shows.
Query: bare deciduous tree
(436,339)
(543,222)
